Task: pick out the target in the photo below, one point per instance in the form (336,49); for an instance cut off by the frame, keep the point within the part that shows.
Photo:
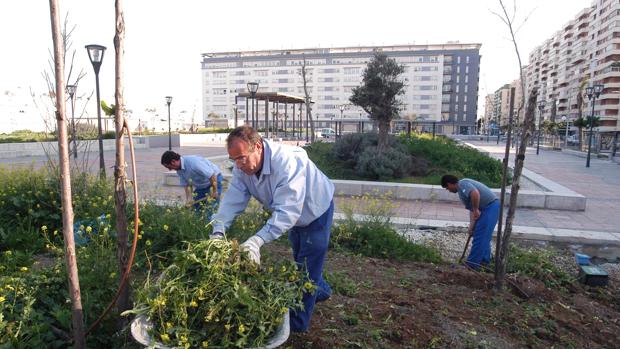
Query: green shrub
(374,235)
(538,264)
(446,156)
(373,239)
(391,163)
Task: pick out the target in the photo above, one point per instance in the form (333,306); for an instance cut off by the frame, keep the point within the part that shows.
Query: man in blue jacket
(199,176)
(284,180)
(483,208)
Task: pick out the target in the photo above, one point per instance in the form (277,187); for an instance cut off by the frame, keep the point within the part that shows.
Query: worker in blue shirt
(199,176)
(483,208)
(288,183)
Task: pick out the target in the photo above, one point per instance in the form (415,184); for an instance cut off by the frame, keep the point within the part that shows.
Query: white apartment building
(441,81)
(579,55)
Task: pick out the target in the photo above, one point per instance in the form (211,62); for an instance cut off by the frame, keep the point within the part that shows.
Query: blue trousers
(209,206)
(309,245)
(483,233)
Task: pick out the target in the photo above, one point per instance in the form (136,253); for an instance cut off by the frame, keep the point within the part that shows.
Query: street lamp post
(541,107)
(565,119)
(168,101)
(342,107)
(252,88)
(95,54)
(593,93)
(71,92)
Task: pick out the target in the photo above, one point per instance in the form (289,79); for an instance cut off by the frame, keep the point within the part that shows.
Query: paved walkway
(600,184)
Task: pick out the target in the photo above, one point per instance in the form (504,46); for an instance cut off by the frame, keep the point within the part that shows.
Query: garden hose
(132,254)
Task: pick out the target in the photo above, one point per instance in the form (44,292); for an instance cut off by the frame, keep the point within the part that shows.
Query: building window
(352,70)
(219,74)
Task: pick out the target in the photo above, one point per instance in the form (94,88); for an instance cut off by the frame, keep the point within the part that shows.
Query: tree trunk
(308,100)
(120,175)
(65,182)
(384,129)
(528,124)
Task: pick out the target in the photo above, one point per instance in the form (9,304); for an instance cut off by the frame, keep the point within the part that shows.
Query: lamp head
(541,105)
(168,99)
(95,53)
(598,89)
(71,90)
(252,88)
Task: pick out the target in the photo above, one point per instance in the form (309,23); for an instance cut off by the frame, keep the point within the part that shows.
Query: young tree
(503,241)
(378,94)
(65,177)
(308,100)
(120,174)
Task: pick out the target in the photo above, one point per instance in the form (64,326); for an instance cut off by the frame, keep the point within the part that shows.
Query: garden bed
(380,303)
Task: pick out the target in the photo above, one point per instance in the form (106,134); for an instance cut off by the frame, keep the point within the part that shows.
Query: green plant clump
(537,264)
(213,296)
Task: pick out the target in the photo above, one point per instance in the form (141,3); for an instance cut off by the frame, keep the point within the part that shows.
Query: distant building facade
(441,81)
(584,52)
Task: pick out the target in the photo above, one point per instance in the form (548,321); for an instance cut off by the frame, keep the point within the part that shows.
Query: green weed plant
(214,296)
(373,234)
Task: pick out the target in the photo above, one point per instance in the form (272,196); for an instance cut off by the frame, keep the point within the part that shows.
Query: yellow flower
(283,269)
(165,227)
(139,236)
(148,243)
(8,253)
(23,269)
(193,304)
(168,325)
(227,327)
(270,269)
(44,228)
(308,285)
(205,344)
(89,229)
(241,329)
(165,337)
(55,232)
(183,339)
(284,310)
(2,299)
(81,227)
(108,216)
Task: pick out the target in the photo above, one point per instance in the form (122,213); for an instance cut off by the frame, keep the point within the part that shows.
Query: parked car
(327,133)
(572,140)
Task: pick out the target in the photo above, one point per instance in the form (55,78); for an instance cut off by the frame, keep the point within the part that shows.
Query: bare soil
(385,304)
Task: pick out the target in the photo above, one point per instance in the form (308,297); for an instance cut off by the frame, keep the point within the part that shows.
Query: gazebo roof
(275,97)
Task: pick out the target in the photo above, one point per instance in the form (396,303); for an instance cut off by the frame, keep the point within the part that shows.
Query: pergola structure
(278,100)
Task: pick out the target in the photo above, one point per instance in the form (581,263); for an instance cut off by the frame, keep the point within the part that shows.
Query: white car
(327,133)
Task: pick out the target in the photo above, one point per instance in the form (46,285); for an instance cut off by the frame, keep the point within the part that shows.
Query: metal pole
(538,137)
(434,130)
(247,121)
(99,135)
(591,127)
(267,117)
(253,124)
(169,132)
(566,134)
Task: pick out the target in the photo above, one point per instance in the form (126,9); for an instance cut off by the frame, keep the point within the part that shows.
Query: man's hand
(214,194)
(476,214)
(216,235)
(252,247)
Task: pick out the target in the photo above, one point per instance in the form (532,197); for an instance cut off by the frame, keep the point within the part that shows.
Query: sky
(164,39)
